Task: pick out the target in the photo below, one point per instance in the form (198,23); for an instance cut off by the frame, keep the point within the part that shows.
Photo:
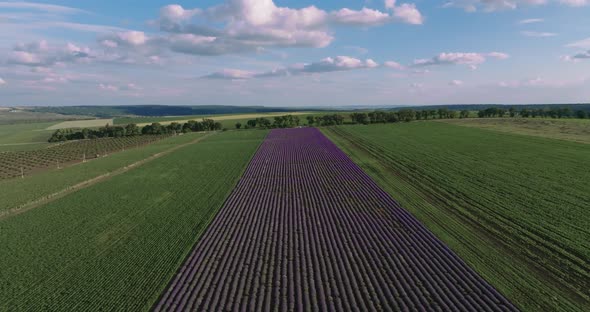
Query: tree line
(555,112)
(405,115)
(108,131)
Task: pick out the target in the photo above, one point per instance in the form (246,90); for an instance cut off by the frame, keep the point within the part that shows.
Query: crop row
(15,164)
(307,229)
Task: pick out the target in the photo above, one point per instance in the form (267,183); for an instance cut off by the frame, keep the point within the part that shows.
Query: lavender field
(306,229)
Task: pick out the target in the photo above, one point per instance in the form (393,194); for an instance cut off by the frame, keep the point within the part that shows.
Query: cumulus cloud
(248,25)
(538,34)
(408,13)
(394,65)
(40,54)
(498,5)
(364,17)
(458,58)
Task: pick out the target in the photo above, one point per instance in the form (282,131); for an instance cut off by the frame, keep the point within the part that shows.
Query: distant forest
(471,107)
(159,110)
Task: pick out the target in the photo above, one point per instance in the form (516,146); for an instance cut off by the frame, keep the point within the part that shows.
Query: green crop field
(17,164)
(514,207)
(24,136)
(574,129)
(115,245)
(19,192)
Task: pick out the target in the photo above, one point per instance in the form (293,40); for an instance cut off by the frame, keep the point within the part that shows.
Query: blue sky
(294,53)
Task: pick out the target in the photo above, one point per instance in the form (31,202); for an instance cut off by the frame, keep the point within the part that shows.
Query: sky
(331,53)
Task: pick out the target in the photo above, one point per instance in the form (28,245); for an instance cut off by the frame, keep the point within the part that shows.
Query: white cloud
(408,13)
(247,25)
(498,55)
(531,21)
(40,54)
(132,38)
(389,4)
(538,34)
(230,74)
(458,58)
(394,65)
(364,17)
(326,65)
(456,83)
(2,81)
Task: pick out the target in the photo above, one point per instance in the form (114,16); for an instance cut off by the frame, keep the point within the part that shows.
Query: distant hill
(160,110)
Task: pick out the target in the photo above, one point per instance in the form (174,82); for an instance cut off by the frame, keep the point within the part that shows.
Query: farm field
(577,130)
(116,244)
(24,136)
(15,164)
(142,121)
(307,230)
(90,123)
(16,115)
(514,207)
(18,193)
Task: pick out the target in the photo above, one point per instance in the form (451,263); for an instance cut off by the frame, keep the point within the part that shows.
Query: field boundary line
(92,181)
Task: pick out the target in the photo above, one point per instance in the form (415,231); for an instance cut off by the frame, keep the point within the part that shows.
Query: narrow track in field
(307,230)
(90,182)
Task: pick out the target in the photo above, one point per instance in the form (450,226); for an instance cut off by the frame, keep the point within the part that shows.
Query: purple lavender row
(307,229)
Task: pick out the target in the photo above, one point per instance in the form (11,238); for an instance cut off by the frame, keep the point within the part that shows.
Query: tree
(238,125)
(361,118)
(464,114)
(251,123)
(581,114)
(131,130)
(443,113)
(406,115)
(512,111)
(310,120)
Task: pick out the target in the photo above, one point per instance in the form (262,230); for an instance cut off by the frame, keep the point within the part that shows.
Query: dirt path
(84,184)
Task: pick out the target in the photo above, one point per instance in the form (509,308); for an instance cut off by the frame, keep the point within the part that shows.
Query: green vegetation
(87,123)
(19,192)
(514,207)
(24,136)
(15,115)
(116,244)
(577,130)
(132,130)
(16,164)
(554,112)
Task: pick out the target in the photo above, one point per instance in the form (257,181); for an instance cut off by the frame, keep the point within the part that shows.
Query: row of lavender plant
(307,229)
